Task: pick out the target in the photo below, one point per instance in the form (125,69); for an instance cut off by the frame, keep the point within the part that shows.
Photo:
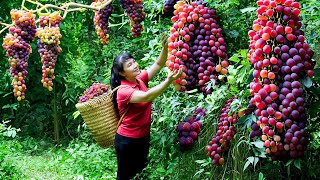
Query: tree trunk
(55,119)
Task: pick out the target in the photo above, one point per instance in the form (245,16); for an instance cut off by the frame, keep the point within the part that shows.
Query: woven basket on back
(100,117)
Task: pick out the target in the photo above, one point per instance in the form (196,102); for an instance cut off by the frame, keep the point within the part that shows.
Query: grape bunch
(48,44)
(168,6)
(136,15)
(96,89)
(220,142)
(281,59)
(196,44)
(16,43)
(101,21)
(190,129)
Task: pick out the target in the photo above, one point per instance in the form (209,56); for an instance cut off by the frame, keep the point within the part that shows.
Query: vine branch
(64,7)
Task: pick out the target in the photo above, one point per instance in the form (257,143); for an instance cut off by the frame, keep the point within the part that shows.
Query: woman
(134,100)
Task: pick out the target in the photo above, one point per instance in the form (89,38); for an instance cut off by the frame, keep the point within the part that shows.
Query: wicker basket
(100,117)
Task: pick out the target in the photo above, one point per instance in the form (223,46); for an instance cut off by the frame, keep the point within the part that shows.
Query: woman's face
(130,69)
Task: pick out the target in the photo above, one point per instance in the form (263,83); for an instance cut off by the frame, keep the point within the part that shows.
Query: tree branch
(63,7)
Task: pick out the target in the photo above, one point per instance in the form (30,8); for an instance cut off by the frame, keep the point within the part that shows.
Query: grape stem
(113,25)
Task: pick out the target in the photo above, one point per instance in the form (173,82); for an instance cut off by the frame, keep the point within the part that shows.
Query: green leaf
(307,82)
(13,106)
(233,34)
(76,114)
(250,78)
(251,159)
(243,53)
(247,120)
(248,9)
(261,177)
(297,164)
(258,144)
(7,94)
(200,161)
(256,160)
(153,43)
(246,165)
(235,58)
(289,162)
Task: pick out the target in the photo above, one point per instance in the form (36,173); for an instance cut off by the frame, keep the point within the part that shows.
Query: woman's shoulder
(125,92)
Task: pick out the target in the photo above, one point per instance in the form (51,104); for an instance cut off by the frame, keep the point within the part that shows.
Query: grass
(31,159)
(77,161)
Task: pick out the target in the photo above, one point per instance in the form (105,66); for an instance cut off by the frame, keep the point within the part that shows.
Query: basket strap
(114,90)
(125,112)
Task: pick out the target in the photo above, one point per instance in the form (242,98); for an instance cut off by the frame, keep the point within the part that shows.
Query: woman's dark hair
(115,79)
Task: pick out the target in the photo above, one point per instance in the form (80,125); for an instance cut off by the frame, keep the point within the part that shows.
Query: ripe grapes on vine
(220,142)
(196,44)
(48,44)
(281,58)
(136,15)
(16,43)
(188,131)
(101,21)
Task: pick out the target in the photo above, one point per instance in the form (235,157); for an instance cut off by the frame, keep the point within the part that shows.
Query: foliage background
(41,151)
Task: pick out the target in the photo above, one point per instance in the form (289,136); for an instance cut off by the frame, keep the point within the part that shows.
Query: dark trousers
(132,155)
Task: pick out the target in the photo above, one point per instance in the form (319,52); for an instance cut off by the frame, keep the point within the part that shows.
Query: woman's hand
(164,42)
(174,75)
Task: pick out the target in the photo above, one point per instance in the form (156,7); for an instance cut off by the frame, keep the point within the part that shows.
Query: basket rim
(106,94)
(90,101)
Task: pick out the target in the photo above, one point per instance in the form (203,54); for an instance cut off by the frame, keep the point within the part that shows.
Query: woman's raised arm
(151,94)
(161,61)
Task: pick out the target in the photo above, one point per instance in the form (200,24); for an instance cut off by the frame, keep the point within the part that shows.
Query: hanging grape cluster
(281,59)
(16,43)
(196,44)
(96,89)
(101,21)
(220,142)
(189,130)
(48,44)
(136,15)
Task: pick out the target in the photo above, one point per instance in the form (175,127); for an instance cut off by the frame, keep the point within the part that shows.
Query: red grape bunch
(190,129)
(281,59)
(16,43)
(220,142)
(48,44)
(101,21)
(136,15)
(95,90)
(196,44)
